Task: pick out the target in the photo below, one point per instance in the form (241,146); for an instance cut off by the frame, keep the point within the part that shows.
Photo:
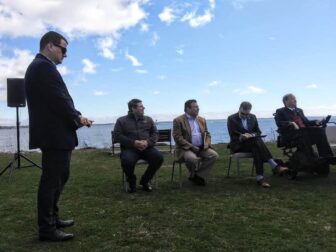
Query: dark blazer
(235,128)
(284,116)
(182,134)
(128,129)
(53,119)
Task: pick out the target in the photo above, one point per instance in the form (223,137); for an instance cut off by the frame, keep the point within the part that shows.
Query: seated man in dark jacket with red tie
(245,137)
(294,124)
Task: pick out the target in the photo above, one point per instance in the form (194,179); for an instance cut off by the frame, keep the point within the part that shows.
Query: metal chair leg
(228,172)
(173,171)
(180,177)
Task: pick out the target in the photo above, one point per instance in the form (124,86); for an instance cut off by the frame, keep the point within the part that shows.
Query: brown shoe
(263,183)
(280,170)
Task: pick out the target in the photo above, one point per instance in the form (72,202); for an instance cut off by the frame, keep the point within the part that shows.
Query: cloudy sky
(219,52)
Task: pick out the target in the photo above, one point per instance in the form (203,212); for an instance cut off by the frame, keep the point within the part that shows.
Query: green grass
(230,214)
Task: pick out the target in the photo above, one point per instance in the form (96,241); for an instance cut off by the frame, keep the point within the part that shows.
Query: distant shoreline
(101,124)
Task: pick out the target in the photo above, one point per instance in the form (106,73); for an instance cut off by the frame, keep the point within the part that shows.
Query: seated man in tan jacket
(193,143)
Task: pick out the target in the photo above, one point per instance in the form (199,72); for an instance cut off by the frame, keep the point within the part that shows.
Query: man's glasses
(63,49)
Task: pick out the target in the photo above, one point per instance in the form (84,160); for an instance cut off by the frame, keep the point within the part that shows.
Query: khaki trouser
(200,163)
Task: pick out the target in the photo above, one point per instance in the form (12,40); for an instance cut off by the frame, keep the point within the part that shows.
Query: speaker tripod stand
(15,163)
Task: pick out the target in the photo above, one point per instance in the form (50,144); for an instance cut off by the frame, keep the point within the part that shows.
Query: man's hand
(85,121)
(295,125)
(245,136)
(194,149)
(206,146)
(141,144)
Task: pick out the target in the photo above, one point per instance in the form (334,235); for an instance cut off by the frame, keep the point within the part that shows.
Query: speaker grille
(16,95)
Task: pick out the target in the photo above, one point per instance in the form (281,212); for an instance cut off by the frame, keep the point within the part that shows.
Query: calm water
(99,136)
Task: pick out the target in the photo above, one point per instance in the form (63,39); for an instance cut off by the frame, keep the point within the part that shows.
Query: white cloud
(141,71)
(240,4)
(180,50)
(214,83)
(135,61)
(100,93)
(155,39)
(256,90)
(144,27)
(196,21)
(161,77)
(89,66)
(74,18)
(13,67)
(63,70)
(115,70)
(107,45)
(167,15)
(249,90)
(312,86)
(156,92)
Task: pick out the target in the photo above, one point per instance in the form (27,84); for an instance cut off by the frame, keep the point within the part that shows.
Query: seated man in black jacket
(245,137)
(293,124)
(137,135)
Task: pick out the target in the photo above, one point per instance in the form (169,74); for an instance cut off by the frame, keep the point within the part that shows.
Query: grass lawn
(230,214)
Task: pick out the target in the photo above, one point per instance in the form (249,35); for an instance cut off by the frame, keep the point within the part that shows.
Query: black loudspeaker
(16,94)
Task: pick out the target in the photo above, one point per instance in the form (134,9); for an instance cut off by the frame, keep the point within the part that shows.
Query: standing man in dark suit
(290,119)
(137,135)
(193,143)
(245,137)
(53,121)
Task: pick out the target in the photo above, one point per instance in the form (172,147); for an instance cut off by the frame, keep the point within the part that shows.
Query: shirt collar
(190,117)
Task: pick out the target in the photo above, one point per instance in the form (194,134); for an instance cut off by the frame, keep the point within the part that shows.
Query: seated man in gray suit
(193,143)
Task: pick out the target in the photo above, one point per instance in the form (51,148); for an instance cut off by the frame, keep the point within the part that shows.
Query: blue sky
(219,52)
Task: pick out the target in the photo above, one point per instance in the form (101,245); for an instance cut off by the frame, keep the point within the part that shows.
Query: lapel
(240,124)
(200,124)
(187,125)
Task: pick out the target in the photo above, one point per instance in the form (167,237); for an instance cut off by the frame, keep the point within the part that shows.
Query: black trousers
(129,158)
(55,173)
(310,136)
(259,150)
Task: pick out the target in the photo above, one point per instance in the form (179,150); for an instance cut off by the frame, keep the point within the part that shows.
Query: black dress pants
(310,136)
(129,158)
(55,173)
(259,151)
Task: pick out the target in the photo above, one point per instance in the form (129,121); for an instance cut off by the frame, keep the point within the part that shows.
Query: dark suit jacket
(284,116)
(53,119)
(235,128)
(182,134)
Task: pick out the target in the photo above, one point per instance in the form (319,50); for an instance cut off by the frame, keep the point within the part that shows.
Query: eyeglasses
(63,49)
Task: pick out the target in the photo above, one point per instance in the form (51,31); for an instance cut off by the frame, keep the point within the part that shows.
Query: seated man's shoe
(56,236)
(263,183)
(197,180)
(64,223)
(131,184)
(280,170)
(146,186)
(131,189)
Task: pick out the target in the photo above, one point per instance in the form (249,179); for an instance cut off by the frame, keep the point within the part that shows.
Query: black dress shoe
(131,189)
(197,180)
(146,186)
(64,223)
(56,236)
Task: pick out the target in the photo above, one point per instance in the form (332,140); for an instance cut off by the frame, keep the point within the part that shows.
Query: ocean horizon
(99,135)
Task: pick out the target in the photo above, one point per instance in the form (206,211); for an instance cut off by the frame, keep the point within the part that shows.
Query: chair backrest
(164,139)
(331,134)
(114,144)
